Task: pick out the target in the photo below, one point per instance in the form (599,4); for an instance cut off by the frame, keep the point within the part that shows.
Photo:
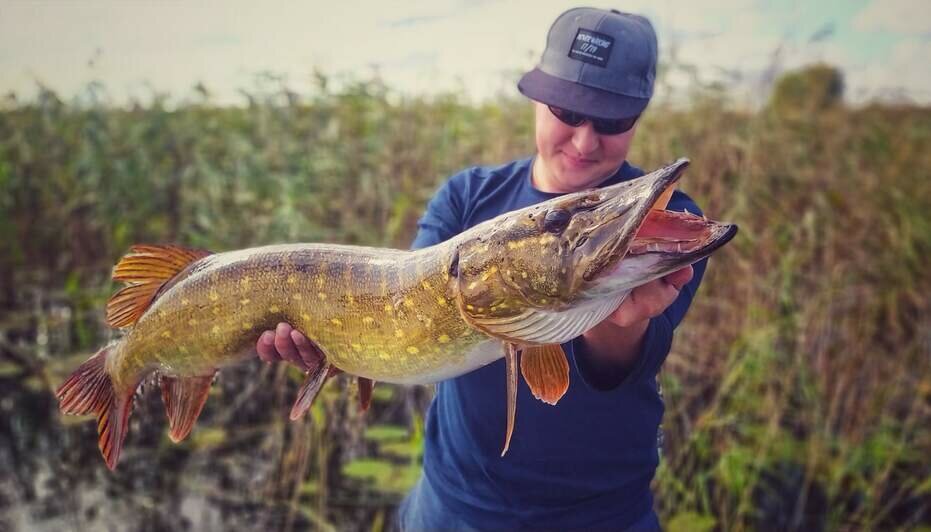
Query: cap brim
(542,87)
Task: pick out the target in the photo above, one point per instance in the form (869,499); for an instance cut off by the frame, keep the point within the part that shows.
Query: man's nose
(584,138)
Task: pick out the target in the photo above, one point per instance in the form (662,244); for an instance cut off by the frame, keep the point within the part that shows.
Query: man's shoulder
(474,178)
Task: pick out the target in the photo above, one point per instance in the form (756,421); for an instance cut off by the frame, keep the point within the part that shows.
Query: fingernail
(268,338)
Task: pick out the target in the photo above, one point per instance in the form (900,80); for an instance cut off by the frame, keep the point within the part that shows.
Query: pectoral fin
(546,371)
(184,398)
(510,357)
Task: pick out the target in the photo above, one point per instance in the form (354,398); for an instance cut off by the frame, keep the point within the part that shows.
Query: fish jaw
(666,241)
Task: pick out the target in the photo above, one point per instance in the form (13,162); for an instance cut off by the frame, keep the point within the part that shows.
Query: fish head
(577,250)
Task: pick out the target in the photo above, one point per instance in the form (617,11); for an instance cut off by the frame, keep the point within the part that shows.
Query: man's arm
(611,350)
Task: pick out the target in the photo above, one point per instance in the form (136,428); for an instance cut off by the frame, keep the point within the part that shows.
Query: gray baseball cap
(596,62)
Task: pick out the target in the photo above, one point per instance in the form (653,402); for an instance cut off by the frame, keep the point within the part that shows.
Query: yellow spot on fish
(305,316)
(473,284)
(523,274)
(470,307)
(321,296)
(216,310)
(183,349)
(443,339)
(319,279)
(399,333)
(441,301)
(425,285)
(245,282)
(214,295)
(356,347)
(297,296)
(543,300)
(246,326)
(185,302)
(412,350)
(336,322)
(274,308)
(215,329)
(192,322)
(384,356)
(563,271)
(245,301)
(368,320)
(512,245)
(408,302)
(388,308)
(292,279)
(166,334)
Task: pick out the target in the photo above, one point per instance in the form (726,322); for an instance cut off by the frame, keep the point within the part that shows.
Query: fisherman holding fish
(587,462)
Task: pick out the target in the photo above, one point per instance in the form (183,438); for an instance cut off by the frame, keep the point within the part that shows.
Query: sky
(138,47)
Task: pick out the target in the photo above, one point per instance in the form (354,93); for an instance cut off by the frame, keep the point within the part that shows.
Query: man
(587,462)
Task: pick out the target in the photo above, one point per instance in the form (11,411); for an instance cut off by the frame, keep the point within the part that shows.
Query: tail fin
(90,390)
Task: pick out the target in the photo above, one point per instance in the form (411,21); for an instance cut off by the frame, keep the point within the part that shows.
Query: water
(244,467)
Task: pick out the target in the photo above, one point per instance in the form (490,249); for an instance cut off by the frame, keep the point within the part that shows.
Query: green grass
(798,387)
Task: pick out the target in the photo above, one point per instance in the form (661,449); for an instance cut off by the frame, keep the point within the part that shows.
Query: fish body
(386,315)
(515,286)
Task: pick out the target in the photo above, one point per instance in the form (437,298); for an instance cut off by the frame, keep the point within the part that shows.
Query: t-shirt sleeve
(443,218)
(658,337)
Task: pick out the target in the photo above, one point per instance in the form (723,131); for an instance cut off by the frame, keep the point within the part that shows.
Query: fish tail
(90,390)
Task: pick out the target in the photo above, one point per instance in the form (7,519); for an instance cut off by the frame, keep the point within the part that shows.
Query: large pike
(515,286)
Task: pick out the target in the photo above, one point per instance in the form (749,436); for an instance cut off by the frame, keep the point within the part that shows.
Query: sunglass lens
(569,118)
(613,127)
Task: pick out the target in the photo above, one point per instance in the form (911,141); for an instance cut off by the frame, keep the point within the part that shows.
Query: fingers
(285,345)
(310,355)
(680,278)
(265,347)
(288,344)
(651,299)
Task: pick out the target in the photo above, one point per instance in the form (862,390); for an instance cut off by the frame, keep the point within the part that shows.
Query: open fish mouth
(680,234)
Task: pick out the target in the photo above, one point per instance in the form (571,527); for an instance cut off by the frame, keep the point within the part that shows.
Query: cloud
(904,72)
(427,46)
(897,16)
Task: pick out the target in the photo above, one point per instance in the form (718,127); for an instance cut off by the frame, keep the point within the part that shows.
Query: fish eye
(556,220)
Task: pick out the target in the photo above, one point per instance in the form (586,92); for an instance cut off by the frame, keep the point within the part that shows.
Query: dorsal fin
(145,270)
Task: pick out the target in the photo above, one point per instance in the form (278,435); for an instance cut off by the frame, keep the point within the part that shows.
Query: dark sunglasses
(600,125)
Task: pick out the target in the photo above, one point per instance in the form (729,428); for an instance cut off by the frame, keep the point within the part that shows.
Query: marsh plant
(798,389)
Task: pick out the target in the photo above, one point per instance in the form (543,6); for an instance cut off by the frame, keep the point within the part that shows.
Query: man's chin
(582,178)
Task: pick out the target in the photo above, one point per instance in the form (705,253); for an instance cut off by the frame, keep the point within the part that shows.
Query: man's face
(574,158)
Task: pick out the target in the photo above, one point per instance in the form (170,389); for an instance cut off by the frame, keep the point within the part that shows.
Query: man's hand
(618,339)
(289,345)
(651,299)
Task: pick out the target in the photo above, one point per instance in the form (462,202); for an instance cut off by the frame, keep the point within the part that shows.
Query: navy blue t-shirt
(586,462)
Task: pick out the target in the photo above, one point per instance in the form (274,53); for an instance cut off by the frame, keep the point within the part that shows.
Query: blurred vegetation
(798,390)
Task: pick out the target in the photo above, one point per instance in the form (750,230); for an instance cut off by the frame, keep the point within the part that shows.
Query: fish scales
(399,321)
